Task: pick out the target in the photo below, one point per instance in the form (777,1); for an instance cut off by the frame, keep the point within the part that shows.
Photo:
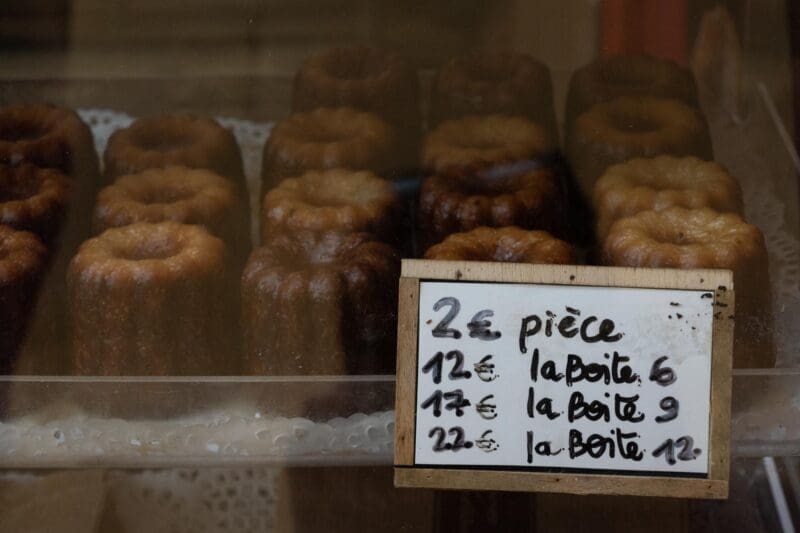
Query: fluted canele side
(320,304)
(152,299)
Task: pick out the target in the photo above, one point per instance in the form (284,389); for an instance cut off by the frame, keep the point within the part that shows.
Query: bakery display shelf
(55,422)
(134,422)
(50,422)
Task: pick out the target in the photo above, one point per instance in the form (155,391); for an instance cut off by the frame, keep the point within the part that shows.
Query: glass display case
(204,206)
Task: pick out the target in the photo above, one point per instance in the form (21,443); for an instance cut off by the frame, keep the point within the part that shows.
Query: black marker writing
(625,408)
(543,448)
(486,410)
(618,372)
(543,407)
(597,446)
(662,375)
(441,329)
(479,326)
(435,364)
(567,327)
(687,452)
(670,406)
(440,434)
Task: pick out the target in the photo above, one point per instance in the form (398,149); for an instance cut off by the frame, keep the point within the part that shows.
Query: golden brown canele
(703,238)
(151,299)
(456,203)
(475,142)
(628,75)
(506,245)
(320,303)
(48,136)
(626,128)
(23,260)
(484,83)
(328,138)
(332,200)
(657,183)
(178,194)
(174,139)
(364,78)
(34,199)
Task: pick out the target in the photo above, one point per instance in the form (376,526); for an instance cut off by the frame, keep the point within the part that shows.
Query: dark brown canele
(512,84)
(180,139)
(55,207)
(628,75)
(476,142)
(320,303)
(34,199)
(457,203)
(327,138)
(363,78)
(622,129)
(22,265)
(50,137)
(151,299)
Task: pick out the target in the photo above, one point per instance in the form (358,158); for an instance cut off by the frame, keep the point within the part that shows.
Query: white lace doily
(226,433)
(211,500)
(195,501)
(753,152)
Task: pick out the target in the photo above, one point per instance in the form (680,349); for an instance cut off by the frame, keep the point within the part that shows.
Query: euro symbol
(486,410)
(485,370)
(485,443)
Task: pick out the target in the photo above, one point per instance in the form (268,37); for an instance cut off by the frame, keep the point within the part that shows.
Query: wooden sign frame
(406,474)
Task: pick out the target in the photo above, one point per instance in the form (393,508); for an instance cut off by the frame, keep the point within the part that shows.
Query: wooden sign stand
(408,474)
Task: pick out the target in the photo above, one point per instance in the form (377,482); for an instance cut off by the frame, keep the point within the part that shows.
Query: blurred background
(236,58)
(115,39)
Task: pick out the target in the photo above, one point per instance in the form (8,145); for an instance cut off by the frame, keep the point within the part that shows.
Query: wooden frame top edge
(576,275)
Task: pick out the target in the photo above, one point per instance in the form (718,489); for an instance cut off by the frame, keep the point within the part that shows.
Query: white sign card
(564,379)
(551,377)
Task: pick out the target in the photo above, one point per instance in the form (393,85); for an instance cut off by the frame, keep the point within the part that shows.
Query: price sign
(564,379)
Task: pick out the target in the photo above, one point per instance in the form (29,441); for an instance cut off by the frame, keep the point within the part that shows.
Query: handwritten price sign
(575,379)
